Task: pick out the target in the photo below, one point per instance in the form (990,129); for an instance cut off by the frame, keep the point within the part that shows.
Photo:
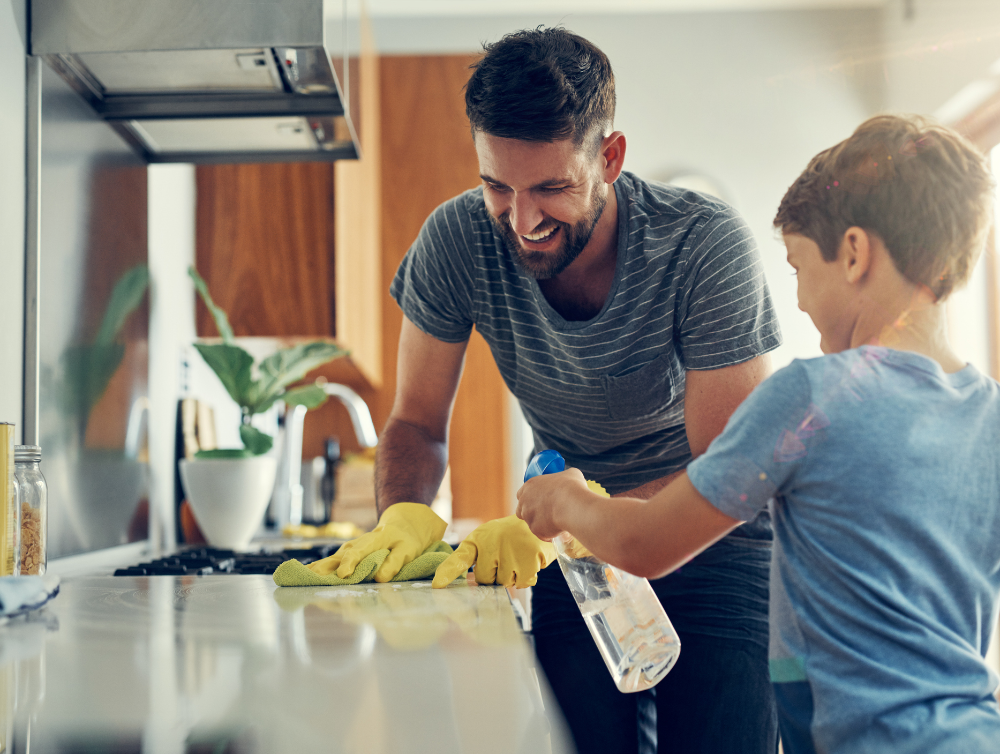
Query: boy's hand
(541,500)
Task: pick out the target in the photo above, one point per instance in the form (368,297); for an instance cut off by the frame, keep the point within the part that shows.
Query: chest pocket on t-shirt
(645,391)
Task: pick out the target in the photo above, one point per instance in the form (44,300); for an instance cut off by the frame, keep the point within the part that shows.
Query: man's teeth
(540,236)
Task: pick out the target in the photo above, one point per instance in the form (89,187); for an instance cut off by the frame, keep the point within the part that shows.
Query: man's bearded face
(544,198)
(573,239)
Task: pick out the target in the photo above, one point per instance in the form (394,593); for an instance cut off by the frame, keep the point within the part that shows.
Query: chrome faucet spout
(357,409)
(286,502)
(287,497)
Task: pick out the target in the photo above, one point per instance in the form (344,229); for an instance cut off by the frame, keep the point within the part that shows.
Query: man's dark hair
(541,85)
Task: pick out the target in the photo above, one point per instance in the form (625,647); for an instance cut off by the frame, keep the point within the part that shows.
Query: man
(629,320)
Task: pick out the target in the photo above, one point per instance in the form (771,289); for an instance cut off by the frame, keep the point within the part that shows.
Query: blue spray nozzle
(546,462)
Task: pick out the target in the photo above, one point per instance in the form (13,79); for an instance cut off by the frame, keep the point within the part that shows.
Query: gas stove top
(203,561)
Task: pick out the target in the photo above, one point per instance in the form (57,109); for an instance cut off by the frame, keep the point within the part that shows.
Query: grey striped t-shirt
(607,393)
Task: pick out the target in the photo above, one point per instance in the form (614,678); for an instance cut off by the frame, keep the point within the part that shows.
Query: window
(973,324)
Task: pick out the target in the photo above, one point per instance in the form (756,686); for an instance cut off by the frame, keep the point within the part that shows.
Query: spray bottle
(628,623)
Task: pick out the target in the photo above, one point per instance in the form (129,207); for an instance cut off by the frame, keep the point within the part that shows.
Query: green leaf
(310,396)
(232,365)
(125,298)
(256,442)
(224,453)
(221,320)
(289,365)
(259,407)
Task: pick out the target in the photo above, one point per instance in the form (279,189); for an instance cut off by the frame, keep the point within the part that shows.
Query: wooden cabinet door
(265,247)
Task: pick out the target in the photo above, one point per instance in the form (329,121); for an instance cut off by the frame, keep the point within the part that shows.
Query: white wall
(746,98)
(171,328)
(13,30)
(942,58)
(932,54)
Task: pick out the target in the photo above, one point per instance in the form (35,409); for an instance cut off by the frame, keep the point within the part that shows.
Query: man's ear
(613,155)
(855,254)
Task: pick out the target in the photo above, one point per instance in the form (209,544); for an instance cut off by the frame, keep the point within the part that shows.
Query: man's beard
(543,265)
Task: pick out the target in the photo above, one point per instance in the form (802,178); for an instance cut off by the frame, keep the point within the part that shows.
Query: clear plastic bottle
(33,503)
(628,623)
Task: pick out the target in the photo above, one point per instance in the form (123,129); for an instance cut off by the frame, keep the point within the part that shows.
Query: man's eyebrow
(553,182)
(544,184)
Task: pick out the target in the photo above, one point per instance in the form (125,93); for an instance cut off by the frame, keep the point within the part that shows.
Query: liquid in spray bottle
(628,623)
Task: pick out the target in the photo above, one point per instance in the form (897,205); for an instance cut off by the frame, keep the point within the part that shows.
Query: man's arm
(710,397)
(410,460)
(413,450)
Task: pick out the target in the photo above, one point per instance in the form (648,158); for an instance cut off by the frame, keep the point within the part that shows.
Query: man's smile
(540,237)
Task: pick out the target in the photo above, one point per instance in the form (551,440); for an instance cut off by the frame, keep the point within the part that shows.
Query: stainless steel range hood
(206,80)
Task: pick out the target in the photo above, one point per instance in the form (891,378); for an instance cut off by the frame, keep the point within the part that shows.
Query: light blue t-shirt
(882,474)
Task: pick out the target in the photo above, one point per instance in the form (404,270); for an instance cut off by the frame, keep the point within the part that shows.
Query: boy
(879,462)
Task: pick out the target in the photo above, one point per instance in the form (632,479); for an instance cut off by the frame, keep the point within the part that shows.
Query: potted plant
(228,488)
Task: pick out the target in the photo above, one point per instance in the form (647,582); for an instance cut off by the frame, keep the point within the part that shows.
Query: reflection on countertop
(235,664)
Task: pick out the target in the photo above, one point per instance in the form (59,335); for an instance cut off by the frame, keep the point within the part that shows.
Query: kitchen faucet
(286,504)
(361,417)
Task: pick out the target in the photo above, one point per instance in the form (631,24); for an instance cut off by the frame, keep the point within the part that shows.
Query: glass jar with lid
(33,502)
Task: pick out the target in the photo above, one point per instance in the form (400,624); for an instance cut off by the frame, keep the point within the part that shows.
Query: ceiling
(510,7)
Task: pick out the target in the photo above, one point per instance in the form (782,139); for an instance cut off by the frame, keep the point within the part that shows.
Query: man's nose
(525,214)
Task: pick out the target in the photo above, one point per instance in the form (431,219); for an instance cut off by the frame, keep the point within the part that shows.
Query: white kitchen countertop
(232,663)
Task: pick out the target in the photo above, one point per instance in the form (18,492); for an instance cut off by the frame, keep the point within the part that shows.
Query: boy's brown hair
(923,189)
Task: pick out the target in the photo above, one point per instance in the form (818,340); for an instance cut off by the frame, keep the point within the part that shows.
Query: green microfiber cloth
(293,573)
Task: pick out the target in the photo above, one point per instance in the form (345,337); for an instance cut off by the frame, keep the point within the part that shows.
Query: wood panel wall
(357,206)
(265,246)
(427,157)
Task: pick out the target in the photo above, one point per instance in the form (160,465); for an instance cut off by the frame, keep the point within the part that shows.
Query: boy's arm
(766,441)
(646,538)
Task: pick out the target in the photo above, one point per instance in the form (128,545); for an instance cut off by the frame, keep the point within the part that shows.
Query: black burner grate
(205,560)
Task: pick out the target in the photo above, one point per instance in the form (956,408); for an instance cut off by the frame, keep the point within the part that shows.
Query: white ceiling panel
(510,7)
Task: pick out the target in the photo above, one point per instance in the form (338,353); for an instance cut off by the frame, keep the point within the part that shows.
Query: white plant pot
(229,496)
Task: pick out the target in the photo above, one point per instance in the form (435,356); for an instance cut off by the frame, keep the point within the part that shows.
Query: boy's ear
(855,254)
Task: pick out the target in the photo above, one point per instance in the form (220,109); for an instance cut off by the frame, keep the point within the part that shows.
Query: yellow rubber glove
(405,530)
(504,551)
